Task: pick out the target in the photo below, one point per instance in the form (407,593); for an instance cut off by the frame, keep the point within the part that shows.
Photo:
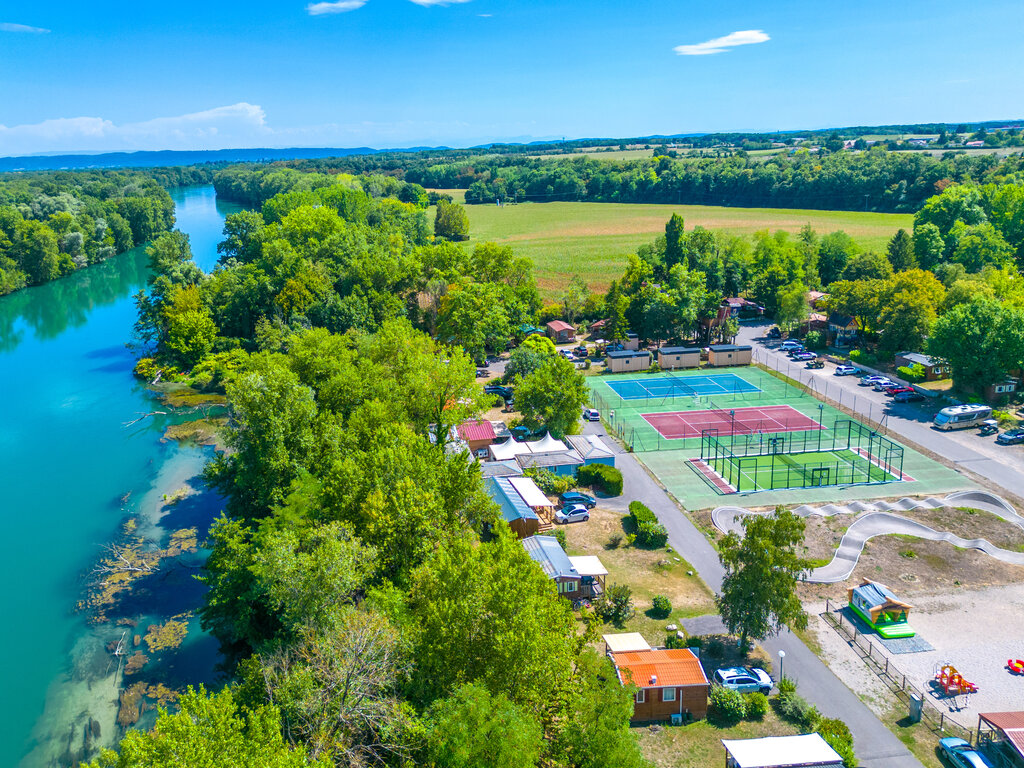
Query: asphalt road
(1003,466)
(876,746)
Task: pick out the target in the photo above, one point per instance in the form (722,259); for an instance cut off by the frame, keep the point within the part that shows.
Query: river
(73,475)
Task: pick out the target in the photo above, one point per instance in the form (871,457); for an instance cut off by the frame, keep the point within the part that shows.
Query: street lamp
(782,656)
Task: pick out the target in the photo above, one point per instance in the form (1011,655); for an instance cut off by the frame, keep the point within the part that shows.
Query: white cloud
(485,15)
(429,3)
(6,26)
(341,6)
(722,44)
(231,126)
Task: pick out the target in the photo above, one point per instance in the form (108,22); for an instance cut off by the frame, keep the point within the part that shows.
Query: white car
(591,414)
(572,513)
(870,381)
(744,679)
(790,346)
(845,370)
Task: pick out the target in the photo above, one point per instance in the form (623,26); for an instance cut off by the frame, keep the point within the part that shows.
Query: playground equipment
(952,682)
(1016,666)
(878,607)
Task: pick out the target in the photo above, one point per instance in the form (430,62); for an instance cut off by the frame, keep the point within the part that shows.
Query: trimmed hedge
(647,531)
(606,479)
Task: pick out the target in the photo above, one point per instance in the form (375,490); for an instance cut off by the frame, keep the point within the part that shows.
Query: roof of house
(476,430)
(588,565)
(815,295)
(781,751)
(919,358)
(507,468)
(508,499)
(530,493)
(547,552)
(628,353)
(626,641)
(590,446)
(1010,723)
(679,350)
(599,324)
(875,594)
(560,325)
(547,460)
(507,450)
(844,321)
(728,347)
(660,667)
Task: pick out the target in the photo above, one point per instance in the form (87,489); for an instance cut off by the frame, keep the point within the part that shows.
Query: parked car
(774,332)
(482,373)
(881,386)
(908,397)
(591,414)
(1011,437)
(961,754)
(897,389)
(522,434)
(870,381)
(572,513)
(499,389)
(575,497)
(802,356)
(845,370)
(580,351)
(988,427)
(796,350)
(744,679)
(790,345)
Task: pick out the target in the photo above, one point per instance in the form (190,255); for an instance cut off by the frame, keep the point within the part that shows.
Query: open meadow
(593,239)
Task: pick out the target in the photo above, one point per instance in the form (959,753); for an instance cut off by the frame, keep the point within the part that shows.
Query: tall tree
(451,221)
(553,396)
(761,572)
(675,236)
(901,251)
(983,340)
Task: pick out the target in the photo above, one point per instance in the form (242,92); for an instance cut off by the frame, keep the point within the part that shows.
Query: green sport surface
(593,239)
(801,470)
(670,460)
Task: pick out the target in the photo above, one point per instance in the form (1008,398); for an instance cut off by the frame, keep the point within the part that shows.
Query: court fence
(680,391)
(740,458)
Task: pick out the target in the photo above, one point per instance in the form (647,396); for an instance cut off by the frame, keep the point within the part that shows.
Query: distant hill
(169,158)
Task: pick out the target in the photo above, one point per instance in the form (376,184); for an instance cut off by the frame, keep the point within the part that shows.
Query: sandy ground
(976,631)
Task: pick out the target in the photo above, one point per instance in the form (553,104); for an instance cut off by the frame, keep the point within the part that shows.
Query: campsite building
(671,684)
(729,354)
(523,505)
(842,330)
(934,369)
(561,332)
(577,578)
(477,435)
(1001,738)
(807,751)
(624,360)
(591,449)
(546,453)
(678,357)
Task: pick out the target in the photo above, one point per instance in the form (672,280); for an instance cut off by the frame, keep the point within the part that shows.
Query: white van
(961,416)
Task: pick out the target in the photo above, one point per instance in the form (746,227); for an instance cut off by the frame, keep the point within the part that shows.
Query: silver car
(572,513)
(744,679)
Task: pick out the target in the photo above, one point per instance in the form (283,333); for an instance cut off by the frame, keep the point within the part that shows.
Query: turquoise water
(72,474)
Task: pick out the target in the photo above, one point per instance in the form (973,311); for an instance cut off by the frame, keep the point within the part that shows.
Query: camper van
(961,416)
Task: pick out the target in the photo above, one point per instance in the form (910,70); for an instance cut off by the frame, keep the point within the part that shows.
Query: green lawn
(593,239)
(699,744)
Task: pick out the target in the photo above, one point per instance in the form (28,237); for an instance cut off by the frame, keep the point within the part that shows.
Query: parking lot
(1002,465)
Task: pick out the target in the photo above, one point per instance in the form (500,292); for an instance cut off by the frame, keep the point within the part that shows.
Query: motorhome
(961,416)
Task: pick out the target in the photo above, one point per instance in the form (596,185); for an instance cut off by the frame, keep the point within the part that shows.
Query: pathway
(876,745)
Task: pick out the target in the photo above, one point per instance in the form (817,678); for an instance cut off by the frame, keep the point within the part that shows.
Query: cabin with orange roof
(671,684)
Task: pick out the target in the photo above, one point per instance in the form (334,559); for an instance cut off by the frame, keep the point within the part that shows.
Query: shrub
(715,646)
(560,537)
(694,641)
(757,706)
(837,734)
(614,541)
(786,686)
(725,705)
(601,477)
(661,606)
(796,709)
(672,640)
(549,482)
(908,374)
(615,606)
(146,368)
(647,531)
(814,340)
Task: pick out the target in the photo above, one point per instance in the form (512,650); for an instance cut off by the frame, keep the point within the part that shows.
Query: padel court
(678,425)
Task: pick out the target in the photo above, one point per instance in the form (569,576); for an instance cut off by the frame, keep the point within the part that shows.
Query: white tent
(507,450)
(547,444)
(588,565)
(625,642)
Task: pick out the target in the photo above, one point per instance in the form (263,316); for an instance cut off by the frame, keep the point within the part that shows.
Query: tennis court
(678,425)
(667,385)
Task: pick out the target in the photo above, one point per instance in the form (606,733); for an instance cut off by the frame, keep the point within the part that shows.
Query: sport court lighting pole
(821,411)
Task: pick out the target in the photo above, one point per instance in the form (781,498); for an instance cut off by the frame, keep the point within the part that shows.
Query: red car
(894,390)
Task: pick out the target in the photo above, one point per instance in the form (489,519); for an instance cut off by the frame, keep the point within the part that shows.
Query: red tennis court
(771,418)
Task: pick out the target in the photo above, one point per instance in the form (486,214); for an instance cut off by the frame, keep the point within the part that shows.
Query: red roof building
(671,681)
(477,434)
(561,332)
(1002,734)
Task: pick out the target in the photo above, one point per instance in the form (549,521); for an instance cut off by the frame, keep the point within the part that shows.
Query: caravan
(961,416)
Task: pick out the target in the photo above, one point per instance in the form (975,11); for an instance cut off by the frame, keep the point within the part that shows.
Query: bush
(725,705)
(909,374)
(786,686)
(757,706)
(796,709)
(615,606)
(601,477)
(661,606)
(560,537)
(549,482)
(715,647)
(672,640)
(694,641)
(647,531)
(614,541)
(837,734)
(814,340)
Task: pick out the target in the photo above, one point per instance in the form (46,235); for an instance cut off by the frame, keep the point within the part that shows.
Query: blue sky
(220,73)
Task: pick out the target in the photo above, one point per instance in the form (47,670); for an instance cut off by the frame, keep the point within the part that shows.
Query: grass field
(593,239)
(798,470)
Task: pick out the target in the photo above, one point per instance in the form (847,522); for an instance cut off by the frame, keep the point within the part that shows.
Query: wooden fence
(880,663)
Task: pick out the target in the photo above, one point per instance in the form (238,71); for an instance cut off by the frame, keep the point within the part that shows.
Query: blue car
(960,754)
(574,497)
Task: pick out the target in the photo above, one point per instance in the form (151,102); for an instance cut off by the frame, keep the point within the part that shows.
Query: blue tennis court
(680,386)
